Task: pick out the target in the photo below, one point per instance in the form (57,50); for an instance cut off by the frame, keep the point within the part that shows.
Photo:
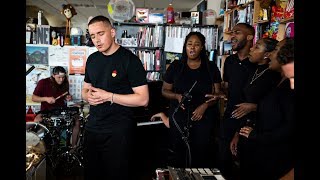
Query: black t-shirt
(182,77)
(117,73)
(257,88)
(236,73)
(273,135)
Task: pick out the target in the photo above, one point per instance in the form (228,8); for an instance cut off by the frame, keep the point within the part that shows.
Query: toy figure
(68,11)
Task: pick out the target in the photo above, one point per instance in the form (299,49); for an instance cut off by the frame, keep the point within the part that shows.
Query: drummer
(52,93)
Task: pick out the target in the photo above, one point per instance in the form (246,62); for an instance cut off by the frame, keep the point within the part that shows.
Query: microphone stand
(188,97)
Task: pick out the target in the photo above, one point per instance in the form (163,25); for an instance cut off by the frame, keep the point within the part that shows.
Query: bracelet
(111,102)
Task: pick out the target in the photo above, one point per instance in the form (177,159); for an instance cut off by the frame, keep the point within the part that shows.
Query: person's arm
(224,90)
(95,96)
(199,111)
(216,94)
(85,90)
(243,109)
(168,93)
(39,99)
(140,97)
(163,117)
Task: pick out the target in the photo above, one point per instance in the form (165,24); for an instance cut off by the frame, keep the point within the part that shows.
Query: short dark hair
(286,52)
(58,69)
(250,28)
(100,18)
(270,43)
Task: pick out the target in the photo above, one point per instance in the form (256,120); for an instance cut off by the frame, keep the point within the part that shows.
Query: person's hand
(50,100)
(212,97)
(245,131)
(163,117)
(97,96)
(198,113)
(234,144)
(179,98)
(68,97)
(243,109)
(38,118)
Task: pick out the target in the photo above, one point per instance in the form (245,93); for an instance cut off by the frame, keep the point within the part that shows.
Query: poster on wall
(91,50)
(75,82)
(58,56)
(37,54)
(77,60)
(40,71)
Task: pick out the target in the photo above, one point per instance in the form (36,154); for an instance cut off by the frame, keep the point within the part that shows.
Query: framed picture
(28,37)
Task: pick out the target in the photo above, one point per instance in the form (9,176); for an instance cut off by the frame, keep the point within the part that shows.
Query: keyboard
(195,174)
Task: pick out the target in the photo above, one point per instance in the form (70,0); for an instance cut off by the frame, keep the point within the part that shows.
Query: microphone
(186,96)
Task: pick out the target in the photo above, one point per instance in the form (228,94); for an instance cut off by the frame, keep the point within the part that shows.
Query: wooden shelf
(240,6)
(262,21)
(283,21)
(220,18)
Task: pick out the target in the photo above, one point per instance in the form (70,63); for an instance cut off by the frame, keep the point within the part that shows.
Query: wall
(211,4)
(215,5)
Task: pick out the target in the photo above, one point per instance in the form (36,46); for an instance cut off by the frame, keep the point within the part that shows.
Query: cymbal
(78,104)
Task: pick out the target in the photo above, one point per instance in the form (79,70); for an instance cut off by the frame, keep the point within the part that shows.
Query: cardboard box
(142,15)
(156,18)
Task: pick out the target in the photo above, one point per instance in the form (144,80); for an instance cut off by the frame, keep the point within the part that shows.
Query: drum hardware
(60,155)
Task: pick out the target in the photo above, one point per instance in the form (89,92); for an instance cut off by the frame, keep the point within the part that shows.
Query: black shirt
(182,77)
(236,73)
(273,134)
(117,73)
(257,88)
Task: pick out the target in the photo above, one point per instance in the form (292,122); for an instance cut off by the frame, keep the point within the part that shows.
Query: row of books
(175,36)
(151,59)
(238,16)
(150,36)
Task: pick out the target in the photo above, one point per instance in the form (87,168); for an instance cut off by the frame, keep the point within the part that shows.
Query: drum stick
(62,95)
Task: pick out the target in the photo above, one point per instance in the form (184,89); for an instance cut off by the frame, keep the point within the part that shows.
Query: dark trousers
(226,160)
(107,155)
(199,140)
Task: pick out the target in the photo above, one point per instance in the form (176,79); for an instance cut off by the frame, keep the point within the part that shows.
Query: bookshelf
(175,36)
(146,40)
(263,20)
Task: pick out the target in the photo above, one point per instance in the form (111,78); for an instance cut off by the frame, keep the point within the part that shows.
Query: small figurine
(68,11)
(54,38)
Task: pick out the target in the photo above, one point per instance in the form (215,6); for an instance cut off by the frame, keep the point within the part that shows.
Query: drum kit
(51,138)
